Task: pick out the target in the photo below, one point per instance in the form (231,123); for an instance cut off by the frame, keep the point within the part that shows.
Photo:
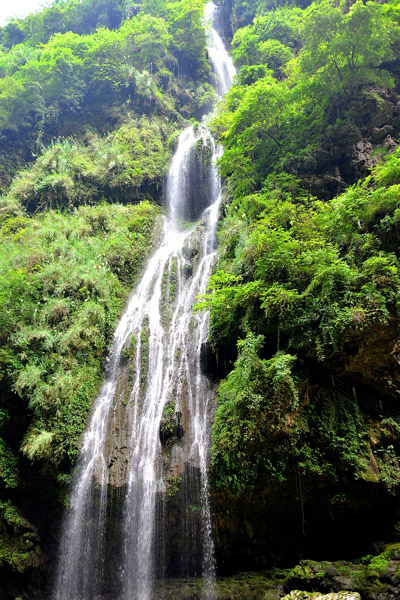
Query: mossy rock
(312,575)
(19,541)
(371,576)
(391,551)
(298,595)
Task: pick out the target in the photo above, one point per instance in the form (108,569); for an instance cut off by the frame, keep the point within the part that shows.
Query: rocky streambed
(372,577)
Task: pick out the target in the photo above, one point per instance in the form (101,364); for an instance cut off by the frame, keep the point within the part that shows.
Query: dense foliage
(73,80)
(92,96)
(126,165)
(316,279)
(307,281)
(64,281)
(305,76)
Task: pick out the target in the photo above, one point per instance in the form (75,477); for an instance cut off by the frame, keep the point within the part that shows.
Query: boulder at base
(297,595)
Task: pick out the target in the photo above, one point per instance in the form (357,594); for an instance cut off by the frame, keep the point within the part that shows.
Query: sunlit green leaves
(323,60)
(76,68)
(70,174)
(317,270)
(64,278)
(146,41)
(342,50)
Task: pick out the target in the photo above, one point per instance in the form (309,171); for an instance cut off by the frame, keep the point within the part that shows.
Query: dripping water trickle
(139,508)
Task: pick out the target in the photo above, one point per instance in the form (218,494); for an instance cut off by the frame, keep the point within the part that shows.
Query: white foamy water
(165,337)
(221,61)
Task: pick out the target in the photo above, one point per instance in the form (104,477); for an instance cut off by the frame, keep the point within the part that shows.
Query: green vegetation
(173,486)
(64,280)
(319,273)
(307,281)
(63,16)
(305,77)
(253,400)
(122,166)
(92,97)
(371,575)
(167,422)
(19,545)
(312,280)
(60,78)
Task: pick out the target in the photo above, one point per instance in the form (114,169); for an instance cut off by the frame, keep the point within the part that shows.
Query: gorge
(199,309)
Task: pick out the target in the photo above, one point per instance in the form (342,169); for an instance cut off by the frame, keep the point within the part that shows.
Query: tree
(250,43)
(12,34)
(255,133)
(147,41)
(186,23)
(343,50)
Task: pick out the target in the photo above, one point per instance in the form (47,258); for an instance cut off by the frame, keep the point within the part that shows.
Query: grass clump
(64,279)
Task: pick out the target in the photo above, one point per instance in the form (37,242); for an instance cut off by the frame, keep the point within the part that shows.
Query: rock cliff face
(310,509)
(342,489)
(349,150)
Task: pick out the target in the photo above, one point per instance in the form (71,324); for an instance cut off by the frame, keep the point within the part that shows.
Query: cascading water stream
(220,59)
(175,337)
(153,380)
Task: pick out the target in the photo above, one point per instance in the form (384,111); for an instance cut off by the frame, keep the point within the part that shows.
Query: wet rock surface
(372,577)
(298,595)
(369,578)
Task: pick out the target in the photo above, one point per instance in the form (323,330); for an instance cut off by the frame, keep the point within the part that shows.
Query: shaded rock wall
(349,149)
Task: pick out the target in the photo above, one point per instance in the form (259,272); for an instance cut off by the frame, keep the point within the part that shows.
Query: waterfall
(220,59)
(139,508)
